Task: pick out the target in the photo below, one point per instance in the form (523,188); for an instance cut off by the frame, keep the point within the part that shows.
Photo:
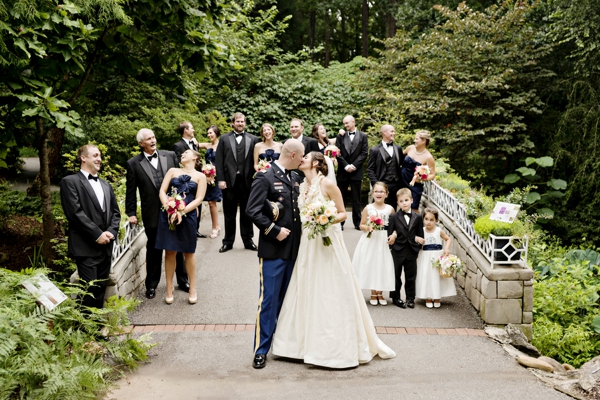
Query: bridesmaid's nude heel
(169,300)
(215,232)
(193,300)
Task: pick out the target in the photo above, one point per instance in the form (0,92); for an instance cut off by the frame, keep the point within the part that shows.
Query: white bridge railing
(131,233)
(497,249)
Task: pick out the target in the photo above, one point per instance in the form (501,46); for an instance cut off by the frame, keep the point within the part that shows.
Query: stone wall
(501,295)
(127,276)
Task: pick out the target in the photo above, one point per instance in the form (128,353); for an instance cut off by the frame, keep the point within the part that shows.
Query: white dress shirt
(154,161)
(389,149)
(97,188)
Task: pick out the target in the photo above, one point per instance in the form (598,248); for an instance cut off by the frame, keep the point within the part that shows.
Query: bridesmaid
(213,193)
(268,149)
(320,133)
(416,155)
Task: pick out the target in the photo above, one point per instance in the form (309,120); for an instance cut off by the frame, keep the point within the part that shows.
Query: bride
(324,319)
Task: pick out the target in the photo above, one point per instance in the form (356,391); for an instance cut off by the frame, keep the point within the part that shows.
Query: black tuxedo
(310,144)
(87,222)
(140,177)
(405,251)
(352,152)
(180,147)
(377,170)
(237,174)
(277,258)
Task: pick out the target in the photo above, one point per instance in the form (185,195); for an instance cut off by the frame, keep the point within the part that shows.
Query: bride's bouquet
(421,172)
(174,204)
(332,151)
(376,222)
(448,265)
(317,217)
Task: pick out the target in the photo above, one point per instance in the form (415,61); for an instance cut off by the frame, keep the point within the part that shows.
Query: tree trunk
(45,195)
(311,33)
(390,21)
(327,44)
(56,137)
(365,28)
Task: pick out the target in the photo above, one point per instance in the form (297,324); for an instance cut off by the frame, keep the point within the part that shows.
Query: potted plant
(484,227)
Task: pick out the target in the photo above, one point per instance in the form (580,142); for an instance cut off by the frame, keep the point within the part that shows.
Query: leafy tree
(471,80)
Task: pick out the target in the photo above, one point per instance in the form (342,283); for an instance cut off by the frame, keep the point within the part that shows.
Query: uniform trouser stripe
(260,301)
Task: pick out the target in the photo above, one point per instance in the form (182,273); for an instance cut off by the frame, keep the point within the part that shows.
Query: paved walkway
(205,350)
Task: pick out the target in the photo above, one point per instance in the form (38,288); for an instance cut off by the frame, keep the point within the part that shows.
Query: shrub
(484,226)
(57,354)
(566,322)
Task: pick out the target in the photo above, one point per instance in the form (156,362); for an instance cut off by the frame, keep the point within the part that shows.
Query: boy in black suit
(279,239)
(406,231)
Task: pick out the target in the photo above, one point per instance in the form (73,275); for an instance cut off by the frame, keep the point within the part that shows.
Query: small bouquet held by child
(317,218)
(376,222)
(448,265)
(210,171)
(175,203)
(262,166)
(421,173)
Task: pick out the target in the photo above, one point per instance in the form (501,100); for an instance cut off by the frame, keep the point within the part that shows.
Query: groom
(279,239)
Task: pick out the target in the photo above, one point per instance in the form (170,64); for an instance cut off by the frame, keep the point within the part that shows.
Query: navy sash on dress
(432,247)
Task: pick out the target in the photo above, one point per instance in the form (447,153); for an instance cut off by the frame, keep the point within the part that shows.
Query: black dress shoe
(250,246)
(399,303)
(150,293)
(260,360)
(184,286)
(225,247)
(410,303)
(357,227)
(201,236)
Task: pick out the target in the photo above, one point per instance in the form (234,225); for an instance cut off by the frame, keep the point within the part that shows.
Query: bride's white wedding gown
(324,318)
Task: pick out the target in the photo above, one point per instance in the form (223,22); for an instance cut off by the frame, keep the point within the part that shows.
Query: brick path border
(384,330)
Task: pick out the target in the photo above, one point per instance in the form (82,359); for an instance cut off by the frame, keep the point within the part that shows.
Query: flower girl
(372,262)
(430,285)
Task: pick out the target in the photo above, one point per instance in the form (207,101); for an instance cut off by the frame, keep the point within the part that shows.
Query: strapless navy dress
(183,238)
(269,155)
(408,172)
(213,193)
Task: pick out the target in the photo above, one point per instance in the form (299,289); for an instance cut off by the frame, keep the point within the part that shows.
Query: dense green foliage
(60,354)
(470,80)
(566,315)
(297,88)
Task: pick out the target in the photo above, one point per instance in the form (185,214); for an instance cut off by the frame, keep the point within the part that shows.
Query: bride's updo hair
(320,158)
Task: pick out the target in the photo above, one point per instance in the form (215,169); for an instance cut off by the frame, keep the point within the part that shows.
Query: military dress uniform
(273,204)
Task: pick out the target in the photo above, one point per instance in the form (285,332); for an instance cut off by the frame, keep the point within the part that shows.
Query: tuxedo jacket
(405,243)
(352,152)
(377,167)
(226,159)
(139,177)
(86,219)
(180,147)
(273,185)
(310,144)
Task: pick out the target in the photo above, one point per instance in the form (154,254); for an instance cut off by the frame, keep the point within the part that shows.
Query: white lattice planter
(508,253)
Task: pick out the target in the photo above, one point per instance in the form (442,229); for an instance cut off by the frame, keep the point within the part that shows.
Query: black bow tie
(351,133)
(155,155)
(90,177)
(391,144)
(239,134)
(405,213)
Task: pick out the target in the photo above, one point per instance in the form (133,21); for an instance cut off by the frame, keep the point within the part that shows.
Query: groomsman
(385,164)
(188,141)
(296,130)
(91,208)
(279,239)
(354,149)
(235,168)
(145,172)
